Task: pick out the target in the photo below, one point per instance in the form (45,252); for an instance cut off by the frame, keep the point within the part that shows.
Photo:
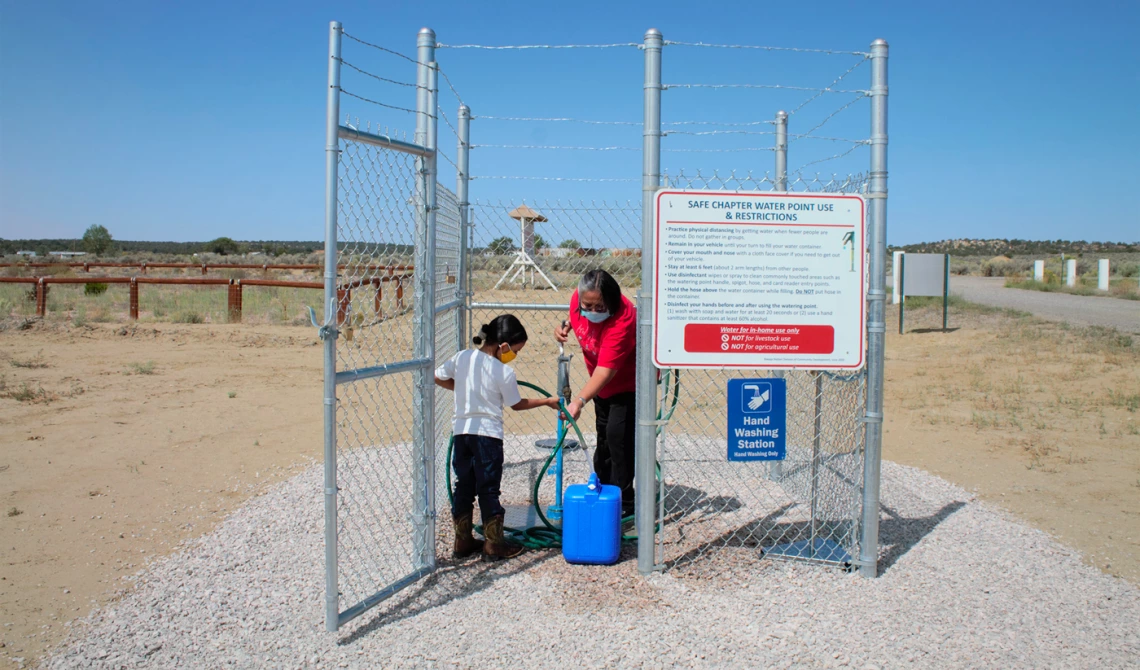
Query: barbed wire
(557,119)
(448,122)
(585,179)
(718,132)
(718,123)
(766,86)
(440,152)
(831,158)
(377,47)
(717,151)
(378,77)
(829,52)
(382,104)
(833,83)
(449,84)
(829,117)
(543,146)
(536,46)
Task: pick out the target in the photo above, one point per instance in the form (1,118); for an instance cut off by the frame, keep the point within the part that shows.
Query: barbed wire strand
(448,122)
(717,151)
(536,46)
(831,158)
(829,52)
(440,152)
(449,84)
(719,132)
(586,179)
(828,118)
(381,104)
(378,47)
(829,86)
(557,119)
(766,86)
(378,77)
(543,146)
(718,123)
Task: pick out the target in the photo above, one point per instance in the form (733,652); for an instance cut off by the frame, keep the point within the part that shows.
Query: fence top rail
(383,141)
(209,266)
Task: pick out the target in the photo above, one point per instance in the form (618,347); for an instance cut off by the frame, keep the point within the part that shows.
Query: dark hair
(603,282)
(505,328)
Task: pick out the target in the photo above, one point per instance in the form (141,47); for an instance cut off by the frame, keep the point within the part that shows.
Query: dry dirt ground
(117,442)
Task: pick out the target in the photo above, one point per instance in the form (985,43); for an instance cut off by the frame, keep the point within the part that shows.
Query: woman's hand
(574,409)
(562,333)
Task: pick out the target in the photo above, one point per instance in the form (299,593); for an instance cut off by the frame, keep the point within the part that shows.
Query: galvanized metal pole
(423,403)
(332,158)
(776,468)
(646,442)
(462,181)
(876,311)
(781,150)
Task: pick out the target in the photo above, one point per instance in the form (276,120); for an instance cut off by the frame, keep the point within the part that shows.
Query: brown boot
(496,547)
(465,542)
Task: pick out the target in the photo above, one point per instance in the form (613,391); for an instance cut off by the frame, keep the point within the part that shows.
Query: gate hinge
(872,417)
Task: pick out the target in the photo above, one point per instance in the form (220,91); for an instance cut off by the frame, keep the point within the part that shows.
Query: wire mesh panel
(378,202)
(805,507)
(448,300)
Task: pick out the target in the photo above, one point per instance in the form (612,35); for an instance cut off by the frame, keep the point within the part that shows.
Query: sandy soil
(107,463)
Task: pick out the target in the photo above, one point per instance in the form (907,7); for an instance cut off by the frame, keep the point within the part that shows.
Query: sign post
(759,280)
(924,275)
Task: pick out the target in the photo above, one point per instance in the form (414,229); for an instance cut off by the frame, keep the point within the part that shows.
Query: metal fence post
(781,150)
(462,180)
(332,158)
(876,324)
(424,321)
(646,442)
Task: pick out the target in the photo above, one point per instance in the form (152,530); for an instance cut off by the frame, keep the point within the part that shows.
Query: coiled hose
(549,536)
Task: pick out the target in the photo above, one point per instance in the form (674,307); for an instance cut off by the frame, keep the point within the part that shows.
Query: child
(483,383)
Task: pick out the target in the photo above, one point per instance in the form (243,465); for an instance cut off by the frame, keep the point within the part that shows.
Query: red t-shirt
(610,344)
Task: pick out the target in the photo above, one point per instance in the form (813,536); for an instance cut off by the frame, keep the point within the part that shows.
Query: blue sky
(191,121)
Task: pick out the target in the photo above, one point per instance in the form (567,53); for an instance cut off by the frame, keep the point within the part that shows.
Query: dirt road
(1079,310)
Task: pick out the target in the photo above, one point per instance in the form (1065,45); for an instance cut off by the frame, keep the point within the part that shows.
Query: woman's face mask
(595,317)
(508,355)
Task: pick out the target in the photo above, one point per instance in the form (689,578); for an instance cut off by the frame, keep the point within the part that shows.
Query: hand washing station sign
(757,419)
(758,280)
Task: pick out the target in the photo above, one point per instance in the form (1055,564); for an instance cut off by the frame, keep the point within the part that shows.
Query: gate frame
(423,361)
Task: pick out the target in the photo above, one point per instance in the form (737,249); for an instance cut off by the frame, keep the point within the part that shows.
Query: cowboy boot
(495,546)
(465,542)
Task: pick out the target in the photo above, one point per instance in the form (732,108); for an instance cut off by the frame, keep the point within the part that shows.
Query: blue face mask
(595,317)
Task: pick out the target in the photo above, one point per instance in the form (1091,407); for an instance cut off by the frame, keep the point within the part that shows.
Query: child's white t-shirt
(483,384)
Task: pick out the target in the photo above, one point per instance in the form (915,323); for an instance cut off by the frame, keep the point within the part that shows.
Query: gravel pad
(963,585)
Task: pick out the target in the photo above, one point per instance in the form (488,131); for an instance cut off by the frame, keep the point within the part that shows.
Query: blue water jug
(591,523)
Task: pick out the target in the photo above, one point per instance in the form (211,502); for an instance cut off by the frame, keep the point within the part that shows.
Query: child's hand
(552,403)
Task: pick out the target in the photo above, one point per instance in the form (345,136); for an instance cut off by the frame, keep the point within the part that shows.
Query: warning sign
(758,280)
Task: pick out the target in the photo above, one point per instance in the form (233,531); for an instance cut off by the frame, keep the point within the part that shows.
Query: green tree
(501,245)
(571,244)
(97,240)
(539,243)
(223,246)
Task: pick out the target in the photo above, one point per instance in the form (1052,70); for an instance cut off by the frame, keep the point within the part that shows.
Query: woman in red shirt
(605,323)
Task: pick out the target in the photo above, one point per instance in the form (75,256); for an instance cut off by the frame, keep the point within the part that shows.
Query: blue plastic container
(591,523)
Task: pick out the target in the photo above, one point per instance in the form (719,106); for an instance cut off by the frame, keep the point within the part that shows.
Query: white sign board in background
(758,280)
(924,275)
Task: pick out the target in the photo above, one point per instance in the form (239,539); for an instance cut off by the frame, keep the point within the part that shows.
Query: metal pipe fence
(476,257)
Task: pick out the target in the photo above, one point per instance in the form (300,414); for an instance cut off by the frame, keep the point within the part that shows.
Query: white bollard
(1071,272)
(896,261)
(1102,274)
(1038,270)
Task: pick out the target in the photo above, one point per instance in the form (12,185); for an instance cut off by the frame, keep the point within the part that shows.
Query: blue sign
(757,419)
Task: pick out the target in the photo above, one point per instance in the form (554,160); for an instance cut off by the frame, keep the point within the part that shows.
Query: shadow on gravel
(899,534)
(920,331)
(451,581)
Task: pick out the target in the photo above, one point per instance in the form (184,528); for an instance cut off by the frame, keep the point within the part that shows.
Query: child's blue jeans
(478,464)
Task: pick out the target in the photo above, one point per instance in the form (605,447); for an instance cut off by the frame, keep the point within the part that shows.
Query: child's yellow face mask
(508,355)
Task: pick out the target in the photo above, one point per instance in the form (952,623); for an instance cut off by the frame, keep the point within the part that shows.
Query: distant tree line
(1014,247)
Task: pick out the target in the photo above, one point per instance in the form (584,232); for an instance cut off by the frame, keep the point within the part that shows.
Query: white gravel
(964,585)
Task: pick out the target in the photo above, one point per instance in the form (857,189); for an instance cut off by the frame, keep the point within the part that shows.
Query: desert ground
(120,441)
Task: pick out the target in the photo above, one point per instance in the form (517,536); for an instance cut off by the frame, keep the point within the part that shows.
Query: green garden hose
(549,536)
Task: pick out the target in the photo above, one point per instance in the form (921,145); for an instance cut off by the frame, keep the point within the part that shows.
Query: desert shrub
(97,288)
(189,317)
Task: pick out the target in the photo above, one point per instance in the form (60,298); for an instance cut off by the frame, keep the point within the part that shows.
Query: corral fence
(374,285)
(386,430)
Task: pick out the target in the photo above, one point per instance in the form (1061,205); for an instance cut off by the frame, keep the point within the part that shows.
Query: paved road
(1124,315)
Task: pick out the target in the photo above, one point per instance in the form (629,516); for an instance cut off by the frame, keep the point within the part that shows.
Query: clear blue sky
(191,121)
